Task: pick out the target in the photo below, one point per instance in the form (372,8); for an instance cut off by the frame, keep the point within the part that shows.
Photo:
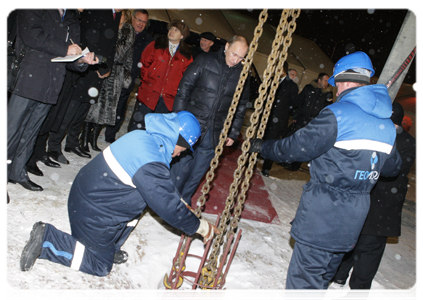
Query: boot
(94,136)
(120,257)
(85,136)
(33,247)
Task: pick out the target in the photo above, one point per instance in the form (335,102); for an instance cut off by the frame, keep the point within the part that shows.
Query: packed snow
(258,270)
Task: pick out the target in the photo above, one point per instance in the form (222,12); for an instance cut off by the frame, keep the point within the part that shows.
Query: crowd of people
(183,98)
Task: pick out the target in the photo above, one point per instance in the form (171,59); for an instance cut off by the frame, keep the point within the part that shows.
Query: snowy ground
(257,272)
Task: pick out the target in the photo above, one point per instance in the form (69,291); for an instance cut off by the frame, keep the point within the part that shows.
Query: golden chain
(209,271)
(279,54)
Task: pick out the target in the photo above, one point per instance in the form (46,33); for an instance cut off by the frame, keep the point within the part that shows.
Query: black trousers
(54,118)
(140,110)
(72,123)
(273,131)
(364,259)
(111,131)
(24,120)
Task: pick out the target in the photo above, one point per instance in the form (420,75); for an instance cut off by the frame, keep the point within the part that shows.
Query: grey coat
(104,111)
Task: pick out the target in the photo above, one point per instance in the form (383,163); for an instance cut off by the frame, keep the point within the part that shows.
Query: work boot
(33,248)
(94,136)
(120,257)
(85,136)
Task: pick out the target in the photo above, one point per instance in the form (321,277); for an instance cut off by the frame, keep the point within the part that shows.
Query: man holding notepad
(44,35)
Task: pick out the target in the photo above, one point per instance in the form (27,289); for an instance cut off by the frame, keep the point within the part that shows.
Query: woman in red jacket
(161,72)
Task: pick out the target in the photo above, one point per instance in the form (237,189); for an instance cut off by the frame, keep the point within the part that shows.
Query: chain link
(279,53)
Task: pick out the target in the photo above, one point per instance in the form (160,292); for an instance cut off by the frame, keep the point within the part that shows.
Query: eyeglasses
(139,21)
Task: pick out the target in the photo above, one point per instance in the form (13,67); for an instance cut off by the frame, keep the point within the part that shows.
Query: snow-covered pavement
(257,272)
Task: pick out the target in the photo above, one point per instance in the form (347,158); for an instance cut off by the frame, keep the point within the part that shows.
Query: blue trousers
(98,231)
(311,268)
(189,168)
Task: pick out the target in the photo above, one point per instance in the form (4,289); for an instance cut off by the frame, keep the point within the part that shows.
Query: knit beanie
(397,113)
(182,142)
(354,75)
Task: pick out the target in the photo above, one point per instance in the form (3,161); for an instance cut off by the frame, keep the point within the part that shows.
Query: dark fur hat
(181,26)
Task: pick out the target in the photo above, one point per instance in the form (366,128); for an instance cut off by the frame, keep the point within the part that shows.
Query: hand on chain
(255,145)
(207,231)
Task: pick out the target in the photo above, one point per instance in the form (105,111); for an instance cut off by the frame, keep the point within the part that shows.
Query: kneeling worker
(110,193)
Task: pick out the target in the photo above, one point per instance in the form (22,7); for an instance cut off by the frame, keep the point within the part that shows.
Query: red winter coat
(161,73)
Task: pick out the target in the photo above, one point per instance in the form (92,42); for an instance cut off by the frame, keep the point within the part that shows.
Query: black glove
(255,145)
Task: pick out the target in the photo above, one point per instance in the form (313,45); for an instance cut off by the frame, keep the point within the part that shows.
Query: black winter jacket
(388,195)
(206,90)
(286,97)
(46,36)
(99,33)
(311,101)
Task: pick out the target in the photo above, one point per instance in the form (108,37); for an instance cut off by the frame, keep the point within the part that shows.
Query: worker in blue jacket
(349,145)
(110,193)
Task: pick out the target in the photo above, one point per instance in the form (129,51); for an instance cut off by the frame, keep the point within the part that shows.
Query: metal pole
(403,46)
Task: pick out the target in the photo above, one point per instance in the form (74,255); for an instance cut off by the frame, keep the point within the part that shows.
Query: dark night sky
(347,30)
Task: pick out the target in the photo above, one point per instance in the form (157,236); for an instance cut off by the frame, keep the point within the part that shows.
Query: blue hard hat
(356,60)
(189,128)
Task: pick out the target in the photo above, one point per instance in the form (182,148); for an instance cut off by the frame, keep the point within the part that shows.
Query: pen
(71,41)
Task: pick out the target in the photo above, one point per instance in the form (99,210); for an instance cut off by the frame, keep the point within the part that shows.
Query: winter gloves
(255,145)
(207,230)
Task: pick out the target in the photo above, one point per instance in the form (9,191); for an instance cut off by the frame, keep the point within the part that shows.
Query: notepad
(70,58)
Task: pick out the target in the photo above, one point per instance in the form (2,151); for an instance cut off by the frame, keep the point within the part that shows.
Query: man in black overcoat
(384,217)
(45,34)
(99,30)
(286,96)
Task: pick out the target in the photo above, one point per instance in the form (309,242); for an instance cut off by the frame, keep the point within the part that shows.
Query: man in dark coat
(46,34)
(349,145)
(110,193)
(206,90)
(206,44)
(99,30)
(313,98)
(53,120)
(142,39)
(384,218)
(286,96)
(163,61)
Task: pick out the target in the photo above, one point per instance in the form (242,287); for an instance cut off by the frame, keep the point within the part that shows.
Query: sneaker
(33,248)
(120,257)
